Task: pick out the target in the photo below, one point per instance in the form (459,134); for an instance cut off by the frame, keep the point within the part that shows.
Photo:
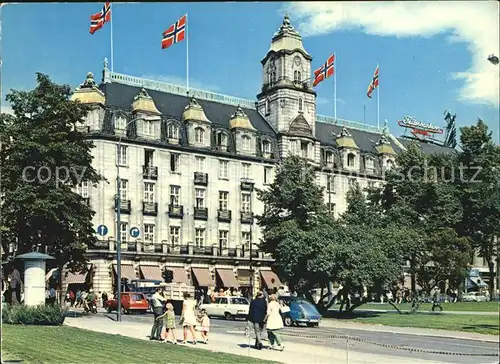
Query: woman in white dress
(188,317)
(274,323)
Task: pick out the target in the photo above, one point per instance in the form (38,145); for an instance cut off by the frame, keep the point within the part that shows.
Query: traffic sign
(102,230)
(134,232)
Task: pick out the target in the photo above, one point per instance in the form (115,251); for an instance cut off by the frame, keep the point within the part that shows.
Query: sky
(432,55)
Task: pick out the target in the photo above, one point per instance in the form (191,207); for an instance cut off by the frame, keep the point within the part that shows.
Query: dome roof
(287,38)
(194,111)
(144,103)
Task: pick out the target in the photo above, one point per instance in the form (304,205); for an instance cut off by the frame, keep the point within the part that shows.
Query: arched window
(246,142)
(268,108)
(199,135)
(369,163)
(301,104)
(297,76)
(266,147)
(172,131)
(120,122)
(328,157)
(351,160)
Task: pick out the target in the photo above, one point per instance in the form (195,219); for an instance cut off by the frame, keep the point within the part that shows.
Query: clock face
(297,61)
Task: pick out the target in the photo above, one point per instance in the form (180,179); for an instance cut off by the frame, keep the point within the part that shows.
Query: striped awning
(151,272)
(127,271)
(179,275)
(77,277)
(270,279)
(203,277)
(228,278)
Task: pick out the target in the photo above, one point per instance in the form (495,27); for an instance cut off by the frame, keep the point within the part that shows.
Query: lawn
(458,306)
(481,324)
(62,344)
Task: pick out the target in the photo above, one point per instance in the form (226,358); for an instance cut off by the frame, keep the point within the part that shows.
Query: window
(330,183)
(246,202)
(331,208)
(123,231)
(122,155)
(266,147)
(199,237)
(328,157)
(149,233)
(175,192)
(221,139)
(369,163)
(175,235)
(223,237)
(149,192)
(267,107)
(148,157)
(83,189)
(223,197)
(351,182)
(246,237)
(199,163)
(350,160)
(120,123)
(297,77)
(304,149)
(267,175)
(371,184)
(175,162)
(199,135)
(390,164)
(273,77)
(245,170)
(200,198)
(246,142)
(301,104)
(148,127)
(223,169)
(123,189)
(172,131)
(93,119)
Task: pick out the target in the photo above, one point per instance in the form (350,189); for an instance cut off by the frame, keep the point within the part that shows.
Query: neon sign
(418,127)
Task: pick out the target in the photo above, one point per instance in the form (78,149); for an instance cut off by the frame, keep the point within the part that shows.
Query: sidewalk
(343,324)
(237,344)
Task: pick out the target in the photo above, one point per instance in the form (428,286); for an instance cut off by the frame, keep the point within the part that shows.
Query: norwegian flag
(98,20)
(175,33)
(373,85)
(325,71)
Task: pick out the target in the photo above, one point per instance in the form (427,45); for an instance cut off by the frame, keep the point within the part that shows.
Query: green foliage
(50,315)
(41,136)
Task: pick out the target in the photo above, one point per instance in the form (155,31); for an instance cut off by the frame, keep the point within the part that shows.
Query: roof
(427,148)
(34,256)
(121,96)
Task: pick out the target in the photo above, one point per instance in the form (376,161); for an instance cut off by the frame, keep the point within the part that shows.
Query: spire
(287,38)
(194,111)
(345,139)
(384,146)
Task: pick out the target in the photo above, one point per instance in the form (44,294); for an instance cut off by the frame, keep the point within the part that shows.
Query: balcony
(176,211)
(124,206)
(150,208)
(149,247)
(224,215)
(201,213)
(149,172)
(268,155)
(328,164)
(100,245)
(205,250)
(246,217)
(200,178)
(247,184)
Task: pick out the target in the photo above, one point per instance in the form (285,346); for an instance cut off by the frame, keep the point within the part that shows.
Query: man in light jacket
(157,304)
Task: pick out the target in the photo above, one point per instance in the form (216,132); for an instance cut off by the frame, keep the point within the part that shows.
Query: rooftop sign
(419,127)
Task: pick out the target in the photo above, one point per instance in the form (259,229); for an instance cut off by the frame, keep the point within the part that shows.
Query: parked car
(131,302)
(301,312)
(474,297)
(228,307)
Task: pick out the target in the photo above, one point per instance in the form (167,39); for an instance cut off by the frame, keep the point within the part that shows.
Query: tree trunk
(491,273)
(413,276)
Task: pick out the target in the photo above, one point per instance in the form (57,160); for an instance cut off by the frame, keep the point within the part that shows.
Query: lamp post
(118,225)
(251,261)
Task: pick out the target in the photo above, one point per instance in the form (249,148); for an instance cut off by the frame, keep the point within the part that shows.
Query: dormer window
(328,157)
(148,127)
(297,77)
(301,104)
(172,131)
(266,147)
(199,135)
(221,139)
(351,158)
(120,122)
(369,163)
(246,142)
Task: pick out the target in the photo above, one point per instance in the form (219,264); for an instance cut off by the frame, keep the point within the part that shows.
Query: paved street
(379,343)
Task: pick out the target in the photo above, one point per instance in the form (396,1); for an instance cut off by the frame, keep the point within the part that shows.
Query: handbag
(181,321)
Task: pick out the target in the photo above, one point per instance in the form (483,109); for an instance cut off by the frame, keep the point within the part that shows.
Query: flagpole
(378,98)
(187,55)
(335,87)
(111,32)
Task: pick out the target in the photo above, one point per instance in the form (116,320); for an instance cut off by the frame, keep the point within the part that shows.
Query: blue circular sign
(102,230)
(134,232)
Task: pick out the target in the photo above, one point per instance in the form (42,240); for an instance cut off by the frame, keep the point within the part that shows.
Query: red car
(131,302)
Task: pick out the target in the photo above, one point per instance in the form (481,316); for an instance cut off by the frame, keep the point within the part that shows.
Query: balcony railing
(150,208)
(149,172)
(205,250)
(246,217)
(224,215)
(124,206)
(268,155)
(200,213)
(247,184)
(176,211)
(200,178)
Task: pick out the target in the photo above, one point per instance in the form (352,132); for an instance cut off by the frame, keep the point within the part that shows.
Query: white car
(228,307)
(474,297)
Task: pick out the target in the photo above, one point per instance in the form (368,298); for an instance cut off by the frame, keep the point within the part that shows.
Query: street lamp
(118,225)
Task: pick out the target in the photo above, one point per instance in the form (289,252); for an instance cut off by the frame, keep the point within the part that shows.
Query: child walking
(203,325)
(170,324)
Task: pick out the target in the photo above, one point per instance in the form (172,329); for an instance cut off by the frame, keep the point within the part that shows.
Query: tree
(480,187)
(43,159)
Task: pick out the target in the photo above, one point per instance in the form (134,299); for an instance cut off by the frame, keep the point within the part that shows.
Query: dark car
(301,312)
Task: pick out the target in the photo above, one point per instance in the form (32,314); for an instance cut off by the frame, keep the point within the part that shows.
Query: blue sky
(422,72)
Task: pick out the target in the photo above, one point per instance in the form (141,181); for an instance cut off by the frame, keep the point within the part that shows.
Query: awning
(50,273)
(179,275)
(270,279)
(474,282)
(127,271)
(77,277)
(151,272)
(203,277)
(227,277)
(244,277)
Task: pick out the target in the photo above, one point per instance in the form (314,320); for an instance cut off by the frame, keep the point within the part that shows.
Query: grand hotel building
(190,164)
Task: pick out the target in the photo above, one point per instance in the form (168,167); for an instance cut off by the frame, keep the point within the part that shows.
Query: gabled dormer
(349,151)
(88,93)
(386,152)
(244,133)
(197,124)
(173,131)
(146,116)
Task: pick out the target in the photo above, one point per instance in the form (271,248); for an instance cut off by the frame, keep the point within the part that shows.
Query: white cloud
(475,23)
(175,80)
(6,109)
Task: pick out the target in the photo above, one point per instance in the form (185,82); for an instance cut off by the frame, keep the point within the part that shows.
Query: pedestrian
(188,317)
(157,304)
(78,298)
(72,298)
(203,325)
(170,324)
(274,323)
(256,315)
(104,297)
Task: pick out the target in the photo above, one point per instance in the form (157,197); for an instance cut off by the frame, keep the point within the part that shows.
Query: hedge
(50,315)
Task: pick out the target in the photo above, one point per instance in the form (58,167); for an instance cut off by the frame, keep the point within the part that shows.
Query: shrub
(51,315)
